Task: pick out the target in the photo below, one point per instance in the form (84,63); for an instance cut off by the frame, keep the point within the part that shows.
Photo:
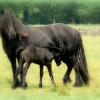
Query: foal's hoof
(21,85)
(24,86)
(54,85)
(78,85)
(40,85)
(66,80)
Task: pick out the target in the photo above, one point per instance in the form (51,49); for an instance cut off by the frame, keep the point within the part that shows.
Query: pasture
(92,51)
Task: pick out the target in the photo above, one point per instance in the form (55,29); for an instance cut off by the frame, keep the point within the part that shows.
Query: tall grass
(92,50)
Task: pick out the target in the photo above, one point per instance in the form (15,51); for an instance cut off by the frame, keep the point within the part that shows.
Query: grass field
(92,50)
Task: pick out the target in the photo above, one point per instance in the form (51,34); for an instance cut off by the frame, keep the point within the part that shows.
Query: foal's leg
(25,69)
(20,68)
(50,73)
(58,61)
(20,63)
(41,76)
(20,71)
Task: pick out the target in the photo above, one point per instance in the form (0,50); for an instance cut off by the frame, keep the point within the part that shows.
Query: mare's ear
(1,11)
(6,11)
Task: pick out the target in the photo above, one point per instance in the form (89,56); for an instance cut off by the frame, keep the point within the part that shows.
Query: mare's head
(7,24)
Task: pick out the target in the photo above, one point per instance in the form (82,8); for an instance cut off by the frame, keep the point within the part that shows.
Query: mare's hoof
(15,84)
(78,85)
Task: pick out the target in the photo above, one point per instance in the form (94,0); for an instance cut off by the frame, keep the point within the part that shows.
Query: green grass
(92,50)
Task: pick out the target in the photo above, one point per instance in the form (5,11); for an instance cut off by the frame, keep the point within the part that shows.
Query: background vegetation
(50,11)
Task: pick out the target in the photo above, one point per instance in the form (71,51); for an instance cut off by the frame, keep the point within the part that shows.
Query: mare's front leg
(25,69)
(50,73)
(41,76)
(12,59)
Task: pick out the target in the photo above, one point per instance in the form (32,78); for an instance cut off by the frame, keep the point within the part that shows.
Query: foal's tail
(81,60)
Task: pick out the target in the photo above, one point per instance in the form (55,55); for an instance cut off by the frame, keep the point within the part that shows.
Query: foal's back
(37,55)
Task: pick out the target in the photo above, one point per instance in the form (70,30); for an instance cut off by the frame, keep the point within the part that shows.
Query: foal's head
(7,24)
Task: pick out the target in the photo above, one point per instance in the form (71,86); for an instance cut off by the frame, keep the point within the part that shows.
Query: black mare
(66,39)
(10,42)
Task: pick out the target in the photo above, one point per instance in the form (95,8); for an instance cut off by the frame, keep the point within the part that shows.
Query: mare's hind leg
(72,62)
(78,80)
(41,76)
(49,67)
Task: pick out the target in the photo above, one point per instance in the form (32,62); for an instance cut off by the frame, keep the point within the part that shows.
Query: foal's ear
(24,34)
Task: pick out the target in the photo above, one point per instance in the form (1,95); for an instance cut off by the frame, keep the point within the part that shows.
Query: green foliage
(50,11)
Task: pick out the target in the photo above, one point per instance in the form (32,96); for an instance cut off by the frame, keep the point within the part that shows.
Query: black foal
(41,56)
